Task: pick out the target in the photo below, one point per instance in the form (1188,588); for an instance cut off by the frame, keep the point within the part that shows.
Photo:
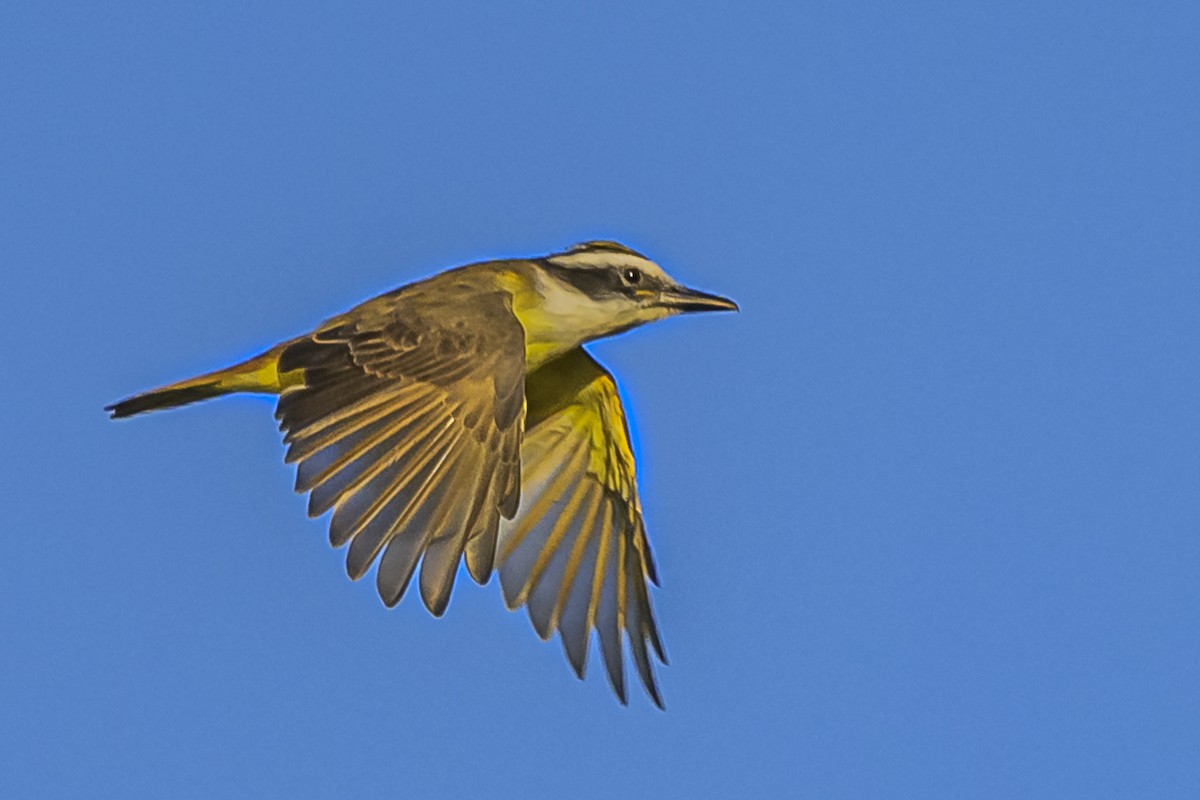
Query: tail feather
(167,397)
(258,374)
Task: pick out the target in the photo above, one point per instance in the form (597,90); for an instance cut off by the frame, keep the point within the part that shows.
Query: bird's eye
(632,276)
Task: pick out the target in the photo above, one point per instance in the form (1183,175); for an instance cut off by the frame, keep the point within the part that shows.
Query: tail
(258,374)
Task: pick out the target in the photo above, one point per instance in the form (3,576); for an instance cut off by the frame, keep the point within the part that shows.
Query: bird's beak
(681,298)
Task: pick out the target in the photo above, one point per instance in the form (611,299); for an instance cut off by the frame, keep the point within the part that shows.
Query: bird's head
(601,288)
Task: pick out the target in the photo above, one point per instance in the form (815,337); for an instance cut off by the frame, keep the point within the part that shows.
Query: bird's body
(459,418)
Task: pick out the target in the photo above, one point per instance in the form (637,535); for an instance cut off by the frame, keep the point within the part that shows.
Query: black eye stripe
(595,283)
(600,283)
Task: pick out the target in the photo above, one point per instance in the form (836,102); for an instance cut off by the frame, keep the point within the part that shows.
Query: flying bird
(460,418)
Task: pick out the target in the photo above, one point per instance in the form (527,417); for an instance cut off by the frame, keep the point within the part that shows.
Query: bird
(460,418)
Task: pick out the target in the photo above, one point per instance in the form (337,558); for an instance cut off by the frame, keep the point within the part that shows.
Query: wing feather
(359,458)
(408,427)
(576,554)
(548,578)
(521,543)
(384,406)
(371,532)
(370,490)
(608,616)
(447,535)
(575,619)
(583,540)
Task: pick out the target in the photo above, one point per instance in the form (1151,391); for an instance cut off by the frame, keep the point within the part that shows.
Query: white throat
(566,318)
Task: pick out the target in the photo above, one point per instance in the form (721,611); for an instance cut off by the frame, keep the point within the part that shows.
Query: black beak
(682,298)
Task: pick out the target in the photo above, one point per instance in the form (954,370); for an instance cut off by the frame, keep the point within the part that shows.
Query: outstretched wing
(408,426)
(576,553)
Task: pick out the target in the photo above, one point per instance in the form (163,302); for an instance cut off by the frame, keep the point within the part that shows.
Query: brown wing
(408,426)
(576,553)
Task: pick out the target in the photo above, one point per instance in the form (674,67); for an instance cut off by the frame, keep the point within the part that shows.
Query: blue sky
(926,512)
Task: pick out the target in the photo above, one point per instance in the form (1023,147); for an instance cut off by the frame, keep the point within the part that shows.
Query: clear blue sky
(927,512)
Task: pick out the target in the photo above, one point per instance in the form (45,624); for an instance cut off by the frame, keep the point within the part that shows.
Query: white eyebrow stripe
(602,245)
(601,259)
